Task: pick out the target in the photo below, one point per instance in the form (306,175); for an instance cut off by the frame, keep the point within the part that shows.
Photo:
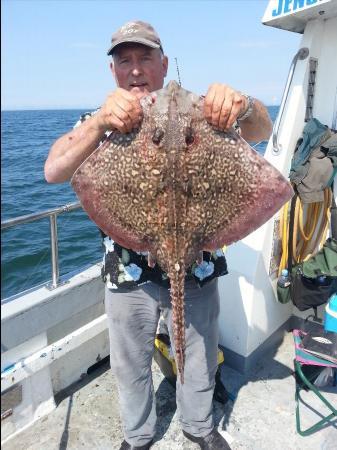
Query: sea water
(26,137)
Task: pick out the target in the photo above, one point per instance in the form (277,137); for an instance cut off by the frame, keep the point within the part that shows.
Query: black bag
(307,292)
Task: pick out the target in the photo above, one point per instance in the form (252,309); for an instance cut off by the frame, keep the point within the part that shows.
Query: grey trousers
(133,319)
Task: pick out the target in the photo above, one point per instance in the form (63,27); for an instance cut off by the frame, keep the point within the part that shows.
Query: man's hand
(223,105)
(121,111)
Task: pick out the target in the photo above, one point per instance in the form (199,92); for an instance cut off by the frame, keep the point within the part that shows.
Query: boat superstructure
(52,334)
(248,294)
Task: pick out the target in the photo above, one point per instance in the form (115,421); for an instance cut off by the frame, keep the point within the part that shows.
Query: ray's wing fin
(116,186)
(233,190)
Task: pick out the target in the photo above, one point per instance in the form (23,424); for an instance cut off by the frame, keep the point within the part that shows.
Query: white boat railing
(300,55)
(52,214)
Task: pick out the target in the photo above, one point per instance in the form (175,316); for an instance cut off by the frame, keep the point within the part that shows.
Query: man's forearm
(70,150)
(258,126)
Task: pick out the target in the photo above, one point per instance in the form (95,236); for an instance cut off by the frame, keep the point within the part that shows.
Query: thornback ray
(176,186)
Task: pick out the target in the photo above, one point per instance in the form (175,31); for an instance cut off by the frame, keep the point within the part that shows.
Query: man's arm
(223,106)
(121,111)
(258,126)
(70,150)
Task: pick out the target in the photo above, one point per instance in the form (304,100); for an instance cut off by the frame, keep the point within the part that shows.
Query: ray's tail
(177,281)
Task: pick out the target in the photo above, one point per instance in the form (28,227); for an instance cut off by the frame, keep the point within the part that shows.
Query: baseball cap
(138,32)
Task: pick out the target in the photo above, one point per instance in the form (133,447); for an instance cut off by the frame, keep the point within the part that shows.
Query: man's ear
(112,68)
(165,64)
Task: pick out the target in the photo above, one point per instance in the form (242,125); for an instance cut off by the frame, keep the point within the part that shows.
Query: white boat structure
(52,334)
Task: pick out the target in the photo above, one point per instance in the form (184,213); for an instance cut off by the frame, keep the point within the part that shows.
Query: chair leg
(313,388)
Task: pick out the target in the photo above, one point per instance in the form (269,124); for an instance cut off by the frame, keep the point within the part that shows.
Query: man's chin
(139,91)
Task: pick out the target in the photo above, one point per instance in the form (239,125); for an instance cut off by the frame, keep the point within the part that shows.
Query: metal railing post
(301,54)
(54,252)
(52,214)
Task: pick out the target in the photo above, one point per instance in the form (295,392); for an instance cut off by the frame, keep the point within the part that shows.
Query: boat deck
(262,417)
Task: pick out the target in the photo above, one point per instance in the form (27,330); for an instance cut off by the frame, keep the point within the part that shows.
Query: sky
(54,51)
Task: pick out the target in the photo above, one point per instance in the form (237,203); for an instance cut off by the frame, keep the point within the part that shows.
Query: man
(135,293)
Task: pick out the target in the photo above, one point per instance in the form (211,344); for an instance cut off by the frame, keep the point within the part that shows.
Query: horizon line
(69,108)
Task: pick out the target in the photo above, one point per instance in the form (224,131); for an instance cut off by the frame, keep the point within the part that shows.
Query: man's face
(139,69)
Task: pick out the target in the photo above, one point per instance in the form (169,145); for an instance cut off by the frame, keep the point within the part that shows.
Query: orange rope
(309,234)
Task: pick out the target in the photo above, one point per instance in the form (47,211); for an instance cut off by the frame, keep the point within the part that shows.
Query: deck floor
(262,417)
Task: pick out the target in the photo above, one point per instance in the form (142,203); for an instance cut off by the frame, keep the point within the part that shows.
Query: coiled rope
(311,223)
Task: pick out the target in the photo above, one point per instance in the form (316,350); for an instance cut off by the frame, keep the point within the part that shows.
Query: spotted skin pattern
(175,187)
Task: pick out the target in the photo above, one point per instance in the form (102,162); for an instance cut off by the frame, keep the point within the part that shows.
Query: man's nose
(136,70)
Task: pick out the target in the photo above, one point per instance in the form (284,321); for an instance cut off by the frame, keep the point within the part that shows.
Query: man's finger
(122,116)
(130,102)
(225,110)
(235,111)
(220,108)
(208,103)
